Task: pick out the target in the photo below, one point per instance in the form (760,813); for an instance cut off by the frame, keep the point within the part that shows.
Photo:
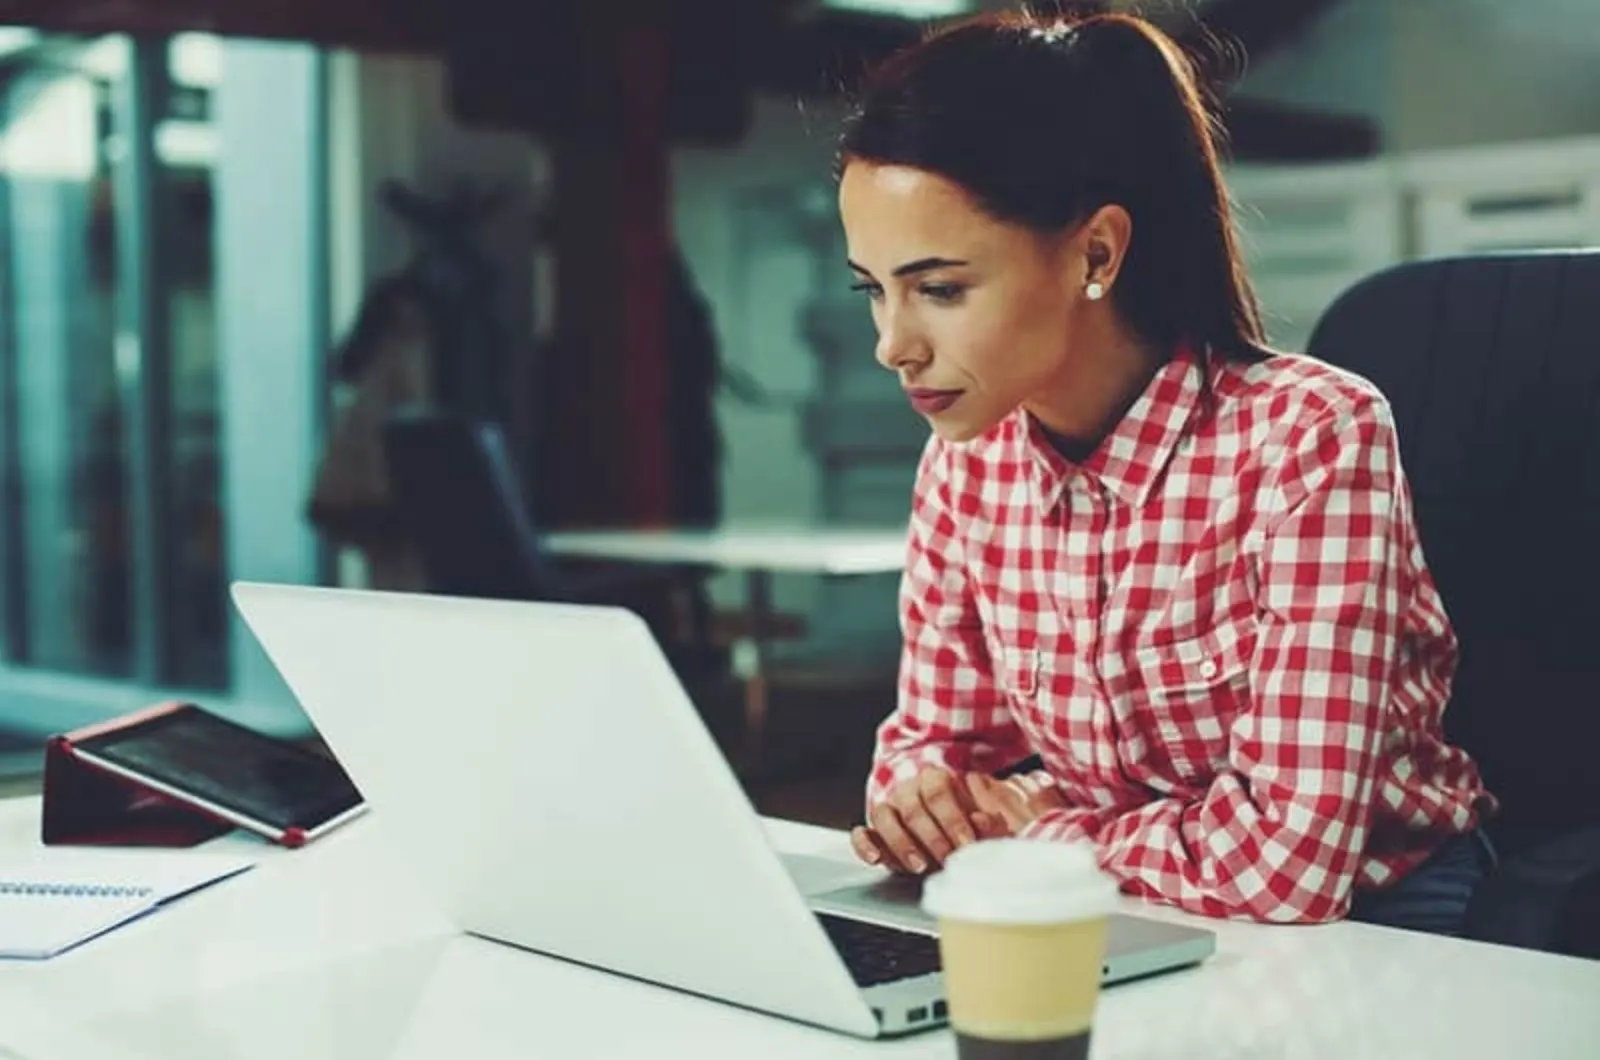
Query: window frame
(271,284)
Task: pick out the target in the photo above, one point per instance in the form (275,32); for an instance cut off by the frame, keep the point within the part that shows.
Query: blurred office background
(652,311)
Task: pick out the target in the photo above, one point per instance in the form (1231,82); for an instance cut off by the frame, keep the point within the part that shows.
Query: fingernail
(872,857)
(916,863)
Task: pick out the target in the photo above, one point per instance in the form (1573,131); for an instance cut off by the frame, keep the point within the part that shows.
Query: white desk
(325,953)
(757,551)
(751,549)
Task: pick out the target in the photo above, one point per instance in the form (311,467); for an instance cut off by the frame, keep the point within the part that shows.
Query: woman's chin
(960,428)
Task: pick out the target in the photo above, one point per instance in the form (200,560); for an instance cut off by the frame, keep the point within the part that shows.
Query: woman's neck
(1074,450)
(1095,392)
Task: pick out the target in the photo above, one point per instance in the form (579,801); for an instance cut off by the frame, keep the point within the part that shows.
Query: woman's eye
(872,290)
(943,292)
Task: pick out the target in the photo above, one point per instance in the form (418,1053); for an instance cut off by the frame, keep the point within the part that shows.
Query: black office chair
(462,505)
(1492,366)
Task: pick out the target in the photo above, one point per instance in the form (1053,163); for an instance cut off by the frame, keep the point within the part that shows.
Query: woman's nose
(898,346)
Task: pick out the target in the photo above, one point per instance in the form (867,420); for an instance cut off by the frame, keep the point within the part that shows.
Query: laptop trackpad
(895,901)
(814,876)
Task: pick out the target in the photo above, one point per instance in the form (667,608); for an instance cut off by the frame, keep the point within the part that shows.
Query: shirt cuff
(1070,824)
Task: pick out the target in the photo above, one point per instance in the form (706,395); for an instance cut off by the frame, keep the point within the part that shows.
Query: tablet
(253,780)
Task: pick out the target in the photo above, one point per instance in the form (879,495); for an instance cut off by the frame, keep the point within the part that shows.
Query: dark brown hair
(1044,120)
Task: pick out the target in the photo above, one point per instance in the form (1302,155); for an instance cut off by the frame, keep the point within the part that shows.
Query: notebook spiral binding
(74,890)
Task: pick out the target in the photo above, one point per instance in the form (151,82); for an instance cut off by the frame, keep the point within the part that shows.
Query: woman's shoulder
(1296,389)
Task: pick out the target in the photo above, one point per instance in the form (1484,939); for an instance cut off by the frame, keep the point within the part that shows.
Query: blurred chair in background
(1492,366)
(465,512)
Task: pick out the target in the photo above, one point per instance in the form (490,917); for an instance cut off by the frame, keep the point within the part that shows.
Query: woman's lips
(932,402)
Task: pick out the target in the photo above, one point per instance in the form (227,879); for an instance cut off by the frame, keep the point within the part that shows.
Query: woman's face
(975,316)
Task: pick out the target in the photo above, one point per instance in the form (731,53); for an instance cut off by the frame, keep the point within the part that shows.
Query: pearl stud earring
(1095,291)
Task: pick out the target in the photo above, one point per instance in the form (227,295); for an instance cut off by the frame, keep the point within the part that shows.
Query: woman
(1177,569)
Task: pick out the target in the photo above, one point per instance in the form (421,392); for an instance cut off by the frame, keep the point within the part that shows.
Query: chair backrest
(459,498)
(1492,366)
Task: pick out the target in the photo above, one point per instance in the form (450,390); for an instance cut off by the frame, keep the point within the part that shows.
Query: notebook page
(166,873)
(41,924)
(53,899)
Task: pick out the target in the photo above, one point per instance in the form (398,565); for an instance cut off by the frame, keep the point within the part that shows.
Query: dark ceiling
(521,64)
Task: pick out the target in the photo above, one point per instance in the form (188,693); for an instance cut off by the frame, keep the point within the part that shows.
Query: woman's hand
(921,820)
(1016,801)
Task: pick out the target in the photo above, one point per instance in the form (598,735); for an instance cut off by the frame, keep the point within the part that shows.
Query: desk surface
(808,550)
(328,952)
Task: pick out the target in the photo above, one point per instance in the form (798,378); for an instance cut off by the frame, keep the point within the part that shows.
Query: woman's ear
(1104,238)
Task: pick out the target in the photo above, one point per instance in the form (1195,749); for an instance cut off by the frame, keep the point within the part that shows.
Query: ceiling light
(903,8)
(16,38)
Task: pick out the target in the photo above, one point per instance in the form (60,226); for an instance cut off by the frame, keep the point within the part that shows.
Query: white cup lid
(1020,881)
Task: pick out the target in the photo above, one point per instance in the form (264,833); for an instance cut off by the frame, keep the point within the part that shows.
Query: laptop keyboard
(877,954)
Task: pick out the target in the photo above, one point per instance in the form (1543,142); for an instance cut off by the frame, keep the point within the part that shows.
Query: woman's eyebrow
(911,268)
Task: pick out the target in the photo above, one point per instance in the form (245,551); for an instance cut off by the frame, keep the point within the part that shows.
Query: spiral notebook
(58,899)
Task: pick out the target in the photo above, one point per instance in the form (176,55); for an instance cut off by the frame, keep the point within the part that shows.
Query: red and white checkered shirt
(1218,632)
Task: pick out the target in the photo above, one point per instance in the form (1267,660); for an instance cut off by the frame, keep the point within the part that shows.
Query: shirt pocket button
(1208,669)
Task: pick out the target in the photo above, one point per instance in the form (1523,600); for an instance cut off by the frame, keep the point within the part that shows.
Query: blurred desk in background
(756,551)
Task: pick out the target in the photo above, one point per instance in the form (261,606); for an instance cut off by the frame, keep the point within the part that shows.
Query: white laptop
(554,788)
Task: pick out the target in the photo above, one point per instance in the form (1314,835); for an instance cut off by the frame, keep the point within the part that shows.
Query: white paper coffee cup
(1022,934)
(1020,881)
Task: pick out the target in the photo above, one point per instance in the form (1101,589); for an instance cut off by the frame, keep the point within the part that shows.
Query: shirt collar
(1132,457)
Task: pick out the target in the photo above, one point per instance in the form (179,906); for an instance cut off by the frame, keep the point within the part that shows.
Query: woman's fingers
(865,847)
(919,822)
(981,789)
(944,797)
(990,826)
(899,840)
(924,819)
(998,800)
(871,848)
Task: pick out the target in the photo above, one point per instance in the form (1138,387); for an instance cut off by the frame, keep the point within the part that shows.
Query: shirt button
(1208,669)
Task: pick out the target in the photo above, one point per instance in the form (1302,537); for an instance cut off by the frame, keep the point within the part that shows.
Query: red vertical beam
(601,453)
(646,228)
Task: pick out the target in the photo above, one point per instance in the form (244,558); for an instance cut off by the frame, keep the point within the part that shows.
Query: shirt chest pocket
(1017,668)
(1023,675)
(1188,692)
(1016,643)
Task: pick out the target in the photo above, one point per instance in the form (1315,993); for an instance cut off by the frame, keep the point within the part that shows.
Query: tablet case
(88,806)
